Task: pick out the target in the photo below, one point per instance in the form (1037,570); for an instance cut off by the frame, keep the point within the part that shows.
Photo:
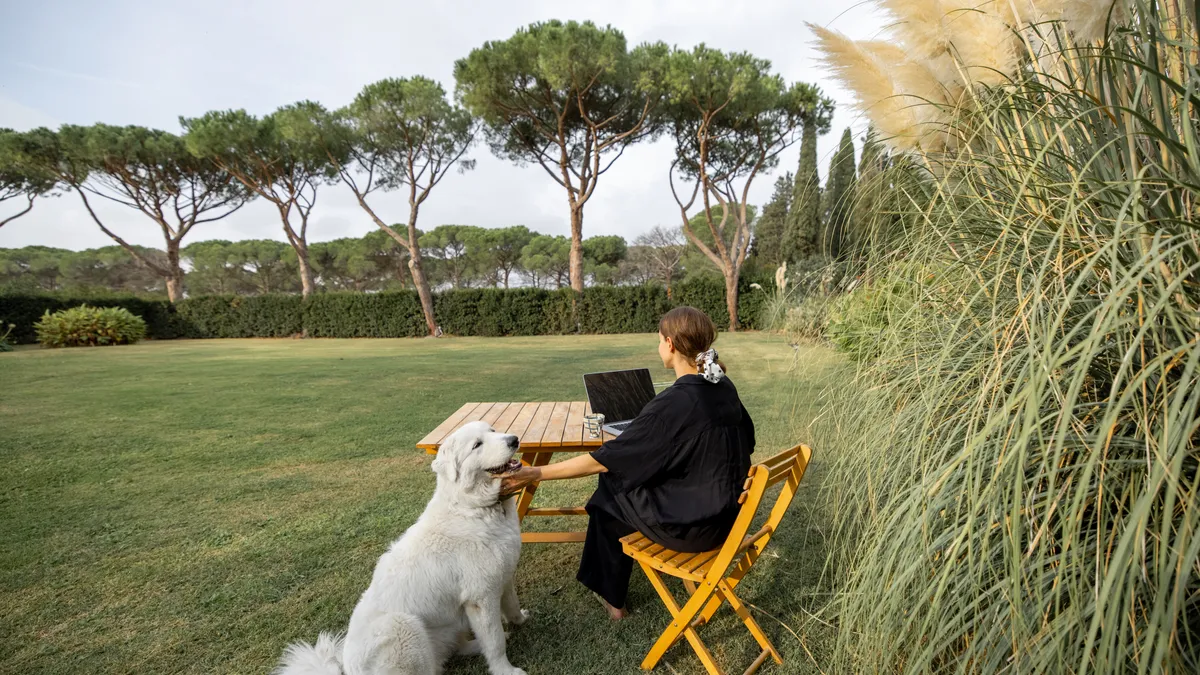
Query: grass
(193,506)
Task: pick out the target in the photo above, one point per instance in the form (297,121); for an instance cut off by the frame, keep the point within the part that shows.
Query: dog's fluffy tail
(323,658)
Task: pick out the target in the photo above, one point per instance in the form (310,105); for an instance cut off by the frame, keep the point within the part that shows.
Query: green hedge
(353,315)
(492,312)
(485,312)
(239,316)
(709,295)
(622,309)
(26,310)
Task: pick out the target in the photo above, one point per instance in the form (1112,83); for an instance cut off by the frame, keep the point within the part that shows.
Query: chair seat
(690,566)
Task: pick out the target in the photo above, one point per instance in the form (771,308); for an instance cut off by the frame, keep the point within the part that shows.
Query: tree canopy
(153,172)
(731,118)
(18,177)
(500,249)
(276,157)
(547,259)
(367,263)
(603,256)
(569,97)
(399,133)
(148,170)
(663,249)
(455,248)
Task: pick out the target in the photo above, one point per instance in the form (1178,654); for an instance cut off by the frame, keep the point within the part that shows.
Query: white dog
(450,572)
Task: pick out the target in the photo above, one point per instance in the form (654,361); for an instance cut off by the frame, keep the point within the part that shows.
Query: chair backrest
(789,466)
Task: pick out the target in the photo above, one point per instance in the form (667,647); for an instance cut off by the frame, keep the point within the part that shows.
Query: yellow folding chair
(711,576)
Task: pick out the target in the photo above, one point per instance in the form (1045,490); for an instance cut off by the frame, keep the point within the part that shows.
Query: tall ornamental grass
(1013,479)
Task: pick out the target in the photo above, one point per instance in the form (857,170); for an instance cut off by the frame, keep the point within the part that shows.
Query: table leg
(532,458)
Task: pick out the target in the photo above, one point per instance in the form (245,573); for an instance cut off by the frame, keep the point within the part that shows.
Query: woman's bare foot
(614,613)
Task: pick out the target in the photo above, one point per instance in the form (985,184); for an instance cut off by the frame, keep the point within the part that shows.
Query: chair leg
(734,577)
(706,614)
(725,590)
(680,624)
(691,589)
(526,498)
(757,662)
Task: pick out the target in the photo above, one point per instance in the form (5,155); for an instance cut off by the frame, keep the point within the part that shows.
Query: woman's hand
(519,479)
(576,467)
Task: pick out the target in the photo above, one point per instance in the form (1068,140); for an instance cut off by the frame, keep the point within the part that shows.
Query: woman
(674,474)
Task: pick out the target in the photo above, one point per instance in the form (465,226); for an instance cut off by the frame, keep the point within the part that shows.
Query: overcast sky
(148,62)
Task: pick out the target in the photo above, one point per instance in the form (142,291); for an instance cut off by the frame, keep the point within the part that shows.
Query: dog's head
(476,454)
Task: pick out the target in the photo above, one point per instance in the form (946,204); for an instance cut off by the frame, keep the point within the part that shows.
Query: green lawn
(193,506)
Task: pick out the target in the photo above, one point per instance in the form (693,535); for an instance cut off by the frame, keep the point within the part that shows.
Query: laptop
(619,395)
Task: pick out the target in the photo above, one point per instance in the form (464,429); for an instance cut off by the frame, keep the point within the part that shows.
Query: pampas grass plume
(918,25)
(871,85)
(1087,19)
(911,85)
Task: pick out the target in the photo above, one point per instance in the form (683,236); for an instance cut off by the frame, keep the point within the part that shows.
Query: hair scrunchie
(707,366)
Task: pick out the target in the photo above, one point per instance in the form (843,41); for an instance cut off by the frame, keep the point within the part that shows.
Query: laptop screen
(619,395)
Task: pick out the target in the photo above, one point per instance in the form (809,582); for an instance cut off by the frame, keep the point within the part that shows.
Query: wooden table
(544,429)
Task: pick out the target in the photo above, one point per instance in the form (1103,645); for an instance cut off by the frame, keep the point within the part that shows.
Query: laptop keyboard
(621,426)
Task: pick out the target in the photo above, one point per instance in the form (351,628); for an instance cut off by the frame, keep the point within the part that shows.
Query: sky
(135,62)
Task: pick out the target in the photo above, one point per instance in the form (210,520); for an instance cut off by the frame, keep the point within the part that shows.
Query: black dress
(674,475)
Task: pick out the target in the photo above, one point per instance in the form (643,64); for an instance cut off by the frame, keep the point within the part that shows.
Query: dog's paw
(520,619)
(513,671)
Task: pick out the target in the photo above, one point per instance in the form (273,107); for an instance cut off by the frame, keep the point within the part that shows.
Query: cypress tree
(803,226)
(867,217)
(839,195)
(770,229)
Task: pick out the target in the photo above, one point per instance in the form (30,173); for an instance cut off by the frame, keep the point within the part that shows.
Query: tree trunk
(174,273)
(506,279)
(400,276)
(577,248)
(731,298)
(418,275)
(668,284)
(306,277)
(415,268)
(174,289)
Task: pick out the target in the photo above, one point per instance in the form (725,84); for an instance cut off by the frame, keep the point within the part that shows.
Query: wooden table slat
(574,432)
(505,420)
(495,413)
(521,422)
(434,438)
(553,435)
(537,426)
(478,413)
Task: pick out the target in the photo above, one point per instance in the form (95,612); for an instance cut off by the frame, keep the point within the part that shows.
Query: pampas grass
(937,51)
(981,43)
(1013,483)
(1088,20)
(867,77)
